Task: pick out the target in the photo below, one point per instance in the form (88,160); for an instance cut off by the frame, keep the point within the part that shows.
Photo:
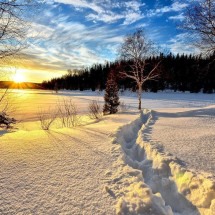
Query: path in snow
(185,192)
(58,172)
(189,135)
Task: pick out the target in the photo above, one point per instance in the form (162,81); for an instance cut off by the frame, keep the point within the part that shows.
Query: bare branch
(200,20)
(151,75)
(3,96)
(14,25)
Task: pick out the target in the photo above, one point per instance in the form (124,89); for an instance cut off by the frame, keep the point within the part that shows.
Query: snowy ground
(58,172)
(155,182)
(189,134)
(80,171)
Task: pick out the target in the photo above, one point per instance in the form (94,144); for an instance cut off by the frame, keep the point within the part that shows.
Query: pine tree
(111,95)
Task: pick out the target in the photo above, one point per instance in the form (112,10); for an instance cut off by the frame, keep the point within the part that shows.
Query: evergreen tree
(111,95)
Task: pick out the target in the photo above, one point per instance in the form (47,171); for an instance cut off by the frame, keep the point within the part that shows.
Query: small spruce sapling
(111,95)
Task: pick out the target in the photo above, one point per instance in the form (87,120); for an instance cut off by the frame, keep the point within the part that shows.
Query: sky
(73,34)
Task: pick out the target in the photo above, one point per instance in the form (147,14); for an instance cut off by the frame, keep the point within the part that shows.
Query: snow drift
(150,181)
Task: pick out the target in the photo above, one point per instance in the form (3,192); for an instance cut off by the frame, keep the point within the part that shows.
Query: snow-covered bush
(6,121)
(94,109)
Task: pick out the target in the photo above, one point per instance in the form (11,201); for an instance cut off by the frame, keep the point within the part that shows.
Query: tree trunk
(139,96)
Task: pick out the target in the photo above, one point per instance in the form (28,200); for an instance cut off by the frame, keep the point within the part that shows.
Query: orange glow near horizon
(19,74)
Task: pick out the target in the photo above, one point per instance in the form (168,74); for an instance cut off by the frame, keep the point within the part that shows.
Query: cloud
(182,44)
(174,7)
(39,31)
(179,17)
(132,16)
(134,5)
(107,17)
(107,11)
(65,44)
(81,4)
(142,25)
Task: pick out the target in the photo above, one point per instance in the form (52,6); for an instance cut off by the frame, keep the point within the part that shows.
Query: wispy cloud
(70,44)
(174,7)
(106,10)
(181,43)
(107,17)
(179,17)
(81,4)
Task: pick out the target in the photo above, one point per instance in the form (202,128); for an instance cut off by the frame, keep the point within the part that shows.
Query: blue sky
(71,34)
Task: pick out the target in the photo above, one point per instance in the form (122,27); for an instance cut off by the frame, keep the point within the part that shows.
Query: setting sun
(18,77)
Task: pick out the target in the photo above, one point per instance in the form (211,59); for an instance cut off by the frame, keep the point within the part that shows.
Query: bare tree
(200,20)
(135,50)
(14,25)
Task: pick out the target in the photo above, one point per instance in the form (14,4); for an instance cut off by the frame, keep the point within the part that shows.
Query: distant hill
(23,85)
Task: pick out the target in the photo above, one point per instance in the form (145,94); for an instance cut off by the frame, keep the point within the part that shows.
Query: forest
(175,72)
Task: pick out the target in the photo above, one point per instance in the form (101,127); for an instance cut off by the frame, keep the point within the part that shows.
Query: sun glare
(18,78)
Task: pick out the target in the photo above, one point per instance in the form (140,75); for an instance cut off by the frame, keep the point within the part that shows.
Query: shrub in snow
(94,110)
(111,95)
(68,113)
(6,121)
(47,119)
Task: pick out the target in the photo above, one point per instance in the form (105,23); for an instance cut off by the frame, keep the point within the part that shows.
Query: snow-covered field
(27,103)
(189,134)
(120,164)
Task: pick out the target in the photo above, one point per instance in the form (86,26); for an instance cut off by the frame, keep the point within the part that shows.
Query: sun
(18,77)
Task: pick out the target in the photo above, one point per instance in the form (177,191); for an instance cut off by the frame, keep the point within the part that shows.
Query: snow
(58,172)
(128,163)
(192,129)
(181,191)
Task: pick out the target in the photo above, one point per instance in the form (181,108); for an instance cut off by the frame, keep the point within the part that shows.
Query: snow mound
(150,181)
(133,196)
(139,199)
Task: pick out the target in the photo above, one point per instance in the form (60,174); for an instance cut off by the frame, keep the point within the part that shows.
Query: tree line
(175,72)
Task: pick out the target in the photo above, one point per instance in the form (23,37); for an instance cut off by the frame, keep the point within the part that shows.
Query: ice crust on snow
(155,182)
